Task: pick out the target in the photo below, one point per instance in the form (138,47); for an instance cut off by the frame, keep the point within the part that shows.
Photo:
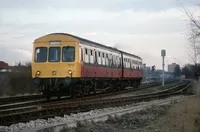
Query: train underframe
(83,86)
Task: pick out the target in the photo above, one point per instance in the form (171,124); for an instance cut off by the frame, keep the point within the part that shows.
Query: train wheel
(122,85)
(58,96)
(111,86)
(48,97)
(95,87)
(46,92)
(73,92)
(82,90)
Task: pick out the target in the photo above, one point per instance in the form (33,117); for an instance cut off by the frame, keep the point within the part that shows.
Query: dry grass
(182,117)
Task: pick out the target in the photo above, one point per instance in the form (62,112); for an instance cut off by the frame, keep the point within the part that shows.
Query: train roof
(89,41)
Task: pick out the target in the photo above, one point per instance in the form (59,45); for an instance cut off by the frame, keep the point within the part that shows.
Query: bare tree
(194,23)
(194,39)
(193,49)
(193,36)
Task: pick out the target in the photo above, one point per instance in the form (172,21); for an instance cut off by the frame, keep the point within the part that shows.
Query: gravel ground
(126,123)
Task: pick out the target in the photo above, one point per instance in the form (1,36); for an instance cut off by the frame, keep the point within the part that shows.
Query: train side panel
(96,63)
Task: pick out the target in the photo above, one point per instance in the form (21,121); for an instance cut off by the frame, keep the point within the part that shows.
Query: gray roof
(98,44)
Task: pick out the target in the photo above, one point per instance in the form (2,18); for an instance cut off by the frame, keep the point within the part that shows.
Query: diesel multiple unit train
(67,65)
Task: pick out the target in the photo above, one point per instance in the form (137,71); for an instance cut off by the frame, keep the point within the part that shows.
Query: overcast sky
(141,27)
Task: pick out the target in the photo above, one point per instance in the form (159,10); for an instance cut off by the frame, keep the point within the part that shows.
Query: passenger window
(96,57)
(120,63)
(91,57)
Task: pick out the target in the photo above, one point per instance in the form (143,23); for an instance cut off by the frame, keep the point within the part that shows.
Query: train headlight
(38,73)
(53,72)
(70,72)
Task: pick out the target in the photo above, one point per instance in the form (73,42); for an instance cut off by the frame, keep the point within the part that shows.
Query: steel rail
(11,107)
(21,98)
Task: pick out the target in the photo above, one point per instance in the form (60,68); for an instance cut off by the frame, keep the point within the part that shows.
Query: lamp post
(163,54)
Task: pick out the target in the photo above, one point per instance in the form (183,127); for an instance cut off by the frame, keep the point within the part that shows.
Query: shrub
(17,82)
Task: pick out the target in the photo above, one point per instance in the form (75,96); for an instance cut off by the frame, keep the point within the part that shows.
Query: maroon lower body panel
(106,72)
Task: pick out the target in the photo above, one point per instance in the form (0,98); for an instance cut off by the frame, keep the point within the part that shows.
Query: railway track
(61,108)
(10,108)
(23,98)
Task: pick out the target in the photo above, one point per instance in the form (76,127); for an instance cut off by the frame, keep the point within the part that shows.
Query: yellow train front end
(55,63)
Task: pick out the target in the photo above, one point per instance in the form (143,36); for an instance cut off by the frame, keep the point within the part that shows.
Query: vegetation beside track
(18,82)
(181,117)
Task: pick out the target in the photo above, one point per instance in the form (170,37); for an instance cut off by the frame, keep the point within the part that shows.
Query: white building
(171,67)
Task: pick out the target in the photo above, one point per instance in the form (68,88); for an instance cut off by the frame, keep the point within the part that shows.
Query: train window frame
(120,61)
(106,59)
(50,53)
(74,54)
(96,57)
(91,53)
(91,56)
(114,60)
(45,55)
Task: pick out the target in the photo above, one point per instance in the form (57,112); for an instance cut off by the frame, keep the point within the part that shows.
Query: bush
(21,83)
(4,83)
(18,82)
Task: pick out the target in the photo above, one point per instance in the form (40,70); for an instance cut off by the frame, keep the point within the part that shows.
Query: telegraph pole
(163,54)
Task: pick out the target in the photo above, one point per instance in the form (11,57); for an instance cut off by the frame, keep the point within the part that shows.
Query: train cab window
(68,54)
(41,54)
(54,54)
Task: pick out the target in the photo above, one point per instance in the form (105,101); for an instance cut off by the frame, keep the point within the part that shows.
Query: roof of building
(4,65)
(88,41)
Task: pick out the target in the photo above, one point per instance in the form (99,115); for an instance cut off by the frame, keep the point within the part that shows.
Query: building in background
(146,70)
(171,67)
(3,65)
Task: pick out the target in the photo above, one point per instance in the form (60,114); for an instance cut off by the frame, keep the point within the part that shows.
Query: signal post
(163,54)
